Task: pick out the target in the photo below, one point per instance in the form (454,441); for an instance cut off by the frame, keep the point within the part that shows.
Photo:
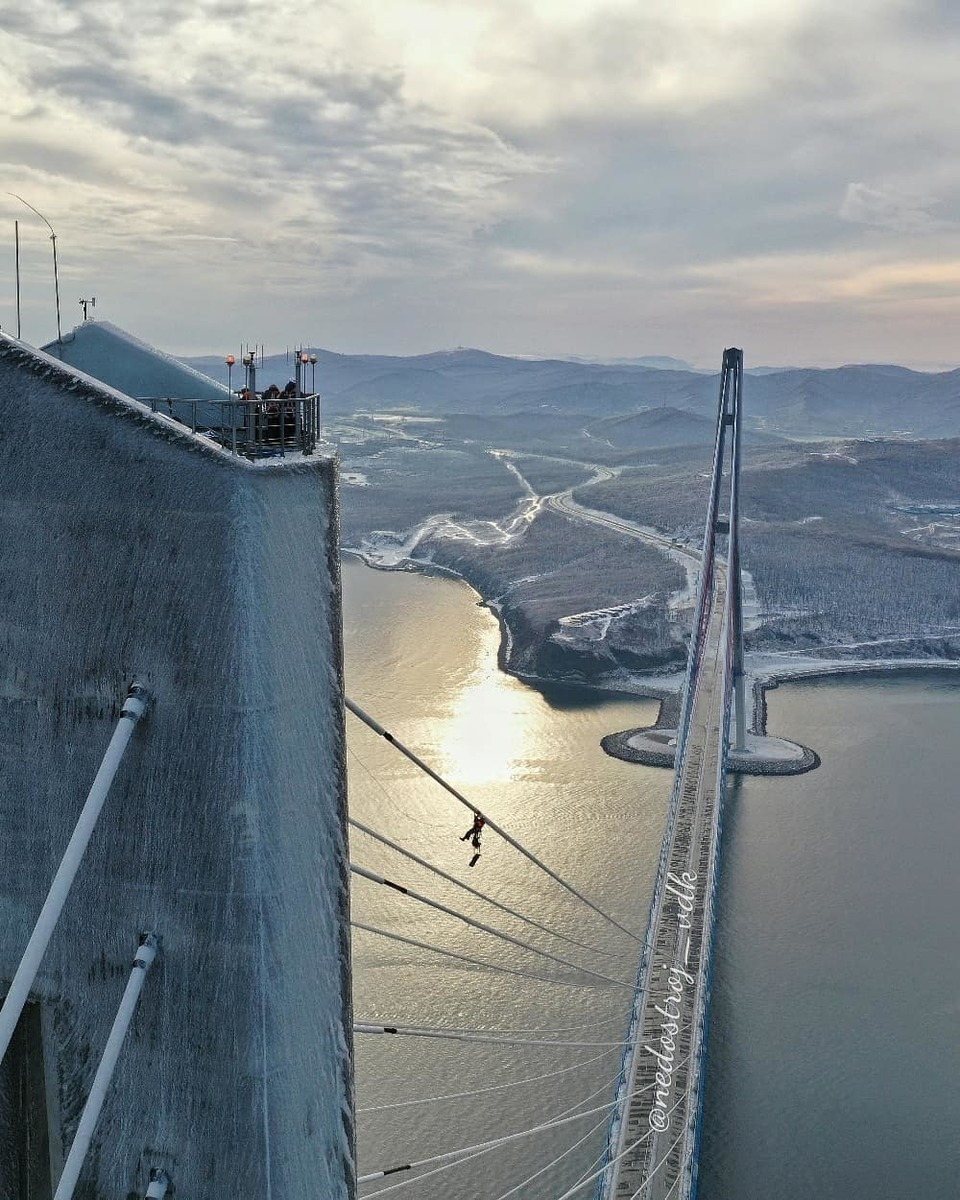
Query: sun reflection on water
(421,658)
(486,735)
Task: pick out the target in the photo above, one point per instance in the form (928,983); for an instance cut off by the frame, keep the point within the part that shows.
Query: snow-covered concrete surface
(134,550)
(116,357)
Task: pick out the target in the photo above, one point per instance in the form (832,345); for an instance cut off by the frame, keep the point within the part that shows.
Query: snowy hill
(851,401)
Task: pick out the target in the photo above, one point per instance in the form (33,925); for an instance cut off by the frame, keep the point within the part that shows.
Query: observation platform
(249,422)
(250,426)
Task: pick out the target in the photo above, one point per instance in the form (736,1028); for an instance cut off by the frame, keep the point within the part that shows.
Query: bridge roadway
(656,1141)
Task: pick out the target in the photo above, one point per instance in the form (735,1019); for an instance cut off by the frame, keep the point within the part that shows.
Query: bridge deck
(663,1085)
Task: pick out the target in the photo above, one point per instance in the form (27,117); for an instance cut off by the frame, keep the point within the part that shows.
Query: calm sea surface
(834,1050)
(834,1067)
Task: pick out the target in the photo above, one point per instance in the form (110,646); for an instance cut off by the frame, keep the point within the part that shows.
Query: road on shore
(564,503)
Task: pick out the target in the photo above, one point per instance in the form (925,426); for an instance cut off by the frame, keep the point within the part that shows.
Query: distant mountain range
(850,496)
(853,401)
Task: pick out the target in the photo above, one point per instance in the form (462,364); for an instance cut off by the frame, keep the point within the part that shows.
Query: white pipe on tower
(133,709)
(146,953)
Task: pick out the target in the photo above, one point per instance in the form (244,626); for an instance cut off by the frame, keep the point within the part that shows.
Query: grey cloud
(362,89)
(307,158)
(91,23)
(133,106)
(758,172)
(347,146)
(886,209)
(37,155)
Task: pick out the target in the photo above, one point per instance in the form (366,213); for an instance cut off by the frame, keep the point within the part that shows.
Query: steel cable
(506,937)
(495,826)
(473,891)
(496,1087)
(479,962)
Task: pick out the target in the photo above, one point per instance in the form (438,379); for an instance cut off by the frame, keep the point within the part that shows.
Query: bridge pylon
(726,465)
(651,745)
(654,1137)
(731,381)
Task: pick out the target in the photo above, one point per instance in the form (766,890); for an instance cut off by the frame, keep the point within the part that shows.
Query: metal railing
(259,428)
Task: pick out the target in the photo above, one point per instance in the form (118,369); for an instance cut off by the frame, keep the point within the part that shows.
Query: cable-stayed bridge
(112,1138)
(654,1137)
(654,1128)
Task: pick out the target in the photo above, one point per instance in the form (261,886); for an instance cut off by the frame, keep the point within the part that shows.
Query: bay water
(834,1046)
(834,1060)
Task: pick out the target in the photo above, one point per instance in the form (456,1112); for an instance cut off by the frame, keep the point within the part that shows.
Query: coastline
(765,670)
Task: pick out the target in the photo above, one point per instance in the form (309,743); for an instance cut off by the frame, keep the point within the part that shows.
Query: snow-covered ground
(385,548)
(589,627)
(391,550)
(770,669)
(594,626)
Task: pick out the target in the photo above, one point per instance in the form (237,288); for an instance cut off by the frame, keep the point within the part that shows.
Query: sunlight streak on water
(486,737)
(835,993)
(421,658)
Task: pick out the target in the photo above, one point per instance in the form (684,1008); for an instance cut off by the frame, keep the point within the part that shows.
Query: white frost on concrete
(136,368)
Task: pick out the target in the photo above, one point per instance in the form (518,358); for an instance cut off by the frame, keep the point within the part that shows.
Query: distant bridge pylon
(731,380)
(654,1136)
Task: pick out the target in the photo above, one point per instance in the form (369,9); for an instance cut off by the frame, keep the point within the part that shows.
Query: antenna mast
(16,238)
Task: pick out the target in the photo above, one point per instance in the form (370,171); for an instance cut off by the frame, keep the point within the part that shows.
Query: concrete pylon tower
(720,582)
(730,417)
(137,551)
(726,466)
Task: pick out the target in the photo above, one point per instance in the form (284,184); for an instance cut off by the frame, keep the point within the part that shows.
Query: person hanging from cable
(473,833)
(473,836)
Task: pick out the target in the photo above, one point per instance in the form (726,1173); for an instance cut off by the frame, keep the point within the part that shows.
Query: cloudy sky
(590,177)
